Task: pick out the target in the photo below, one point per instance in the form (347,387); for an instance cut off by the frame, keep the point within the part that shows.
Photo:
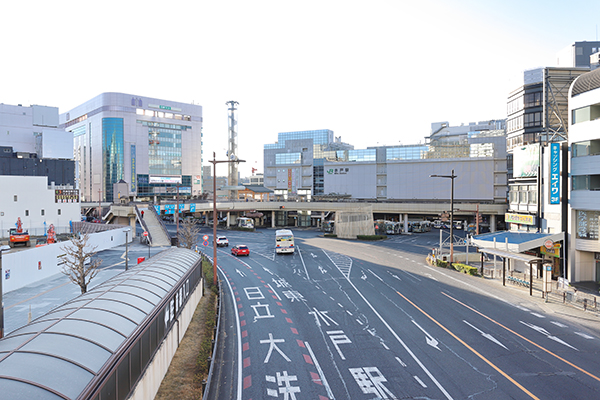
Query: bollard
(584,304)
(564,297)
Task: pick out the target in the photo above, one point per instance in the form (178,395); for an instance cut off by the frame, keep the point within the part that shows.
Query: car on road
(240,250)
(222,241)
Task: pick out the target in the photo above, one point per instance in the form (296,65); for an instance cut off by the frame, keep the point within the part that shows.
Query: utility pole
(100,204)
(232,150)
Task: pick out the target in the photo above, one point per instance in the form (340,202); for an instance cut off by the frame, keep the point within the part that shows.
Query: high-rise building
(32,144)
(577,54)
(152,144)
(295,162)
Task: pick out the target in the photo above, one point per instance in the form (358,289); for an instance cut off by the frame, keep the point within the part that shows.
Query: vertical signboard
(289,180)
(133,170)
(555,173)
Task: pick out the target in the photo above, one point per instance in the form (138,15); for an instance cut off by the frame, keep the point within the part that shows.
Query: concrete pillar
(272,219)
(132,221)
(493,223)
(405,223)
(228,224)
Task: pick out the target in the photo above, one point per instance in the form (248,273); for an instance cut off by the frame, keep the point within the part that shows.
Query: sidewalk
(38,298)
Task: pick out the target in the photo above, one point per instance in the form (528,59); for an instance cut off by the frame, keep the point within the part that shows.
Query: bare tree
(188,233)
(77,262)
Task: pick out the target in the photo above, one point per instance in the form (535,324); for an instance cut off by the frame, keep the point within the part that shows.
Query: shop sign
(552,252)
(554,173)
(520,219)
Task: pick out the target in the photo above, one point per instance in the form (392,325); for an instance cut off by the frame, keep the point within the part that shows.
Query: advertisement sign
(133,169)
(289,180)
(555,173)
(554,251)
(155,179)
(66,196)
(520,219)
(526,161)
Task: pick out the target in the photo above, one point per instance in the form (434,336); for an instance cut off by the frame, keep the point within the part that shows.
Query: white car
(222,241)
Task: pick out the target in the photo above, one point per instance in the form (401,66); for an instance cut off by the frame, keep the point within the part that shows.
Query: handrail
(143,223)
(160,221)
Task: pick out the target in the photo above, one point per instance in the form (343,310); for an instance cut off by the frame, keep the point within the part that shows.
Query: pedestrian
(142,214)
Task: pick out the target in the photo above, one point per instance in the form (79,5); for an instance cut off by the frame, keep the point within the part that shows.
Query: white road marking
(560,325)
(486,335)
(400,361)
(271,287)
(584,335)
(538,315)
(420,381)
(428,338)
(320,371)
(547,334)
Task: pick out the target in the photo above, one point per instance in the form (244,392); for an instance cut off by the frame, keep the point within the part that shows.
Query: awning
(512,241)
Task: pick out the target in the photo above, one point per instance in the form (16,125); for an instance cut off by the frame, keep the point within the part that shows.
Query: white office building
(152,144)
(584,210)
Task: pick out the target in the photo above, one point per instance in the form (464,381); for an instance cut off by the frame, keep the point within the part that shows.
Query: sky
(375,72)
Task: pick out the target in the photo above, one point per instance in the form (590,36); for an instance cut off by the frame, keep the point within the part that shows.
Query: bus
(243,222)
(284,241)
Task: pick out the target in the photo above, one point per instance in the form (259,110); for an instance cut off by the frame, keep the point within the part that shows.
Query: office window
(15,197)
(27,213)
(59,211)
(42,212)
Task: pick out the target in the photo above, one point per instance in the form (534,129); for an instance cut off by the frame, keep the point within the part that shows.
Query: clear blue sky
(374,72)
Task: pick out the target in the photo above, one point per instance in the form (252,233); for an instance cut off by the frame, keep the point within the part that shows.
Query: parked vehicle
(222,241)
(243,222)
(240,250)
(18,236)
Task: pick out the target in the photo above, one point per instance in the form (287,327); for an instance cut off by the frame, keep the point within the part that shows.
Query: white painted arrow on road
(323,270)
(547,334)
(313,255)
(240,272)
(430,340)
(486,335)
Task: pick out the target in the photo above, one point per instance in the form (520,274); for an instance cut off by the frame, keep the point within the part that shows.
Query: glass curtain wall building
(296,160)
(154,145)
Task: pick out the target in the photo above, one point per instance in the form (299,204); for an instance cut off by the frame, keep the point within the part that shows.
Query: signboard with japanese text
(555,173)
(133,170)
(520,219)
(66,196)
(526,161)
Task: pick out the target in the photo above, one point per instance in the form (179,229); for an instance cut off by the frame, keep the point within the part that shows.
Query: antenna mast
(232,150)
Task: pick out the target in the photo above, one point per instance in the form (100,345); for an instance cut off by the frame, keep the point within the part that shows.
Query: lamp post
(214,162)
(127,249)
(451,177)
(2,248)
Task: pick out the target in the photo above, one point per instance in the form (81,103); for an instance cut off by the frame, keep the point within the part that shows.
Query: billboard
(555,173)
(526,161)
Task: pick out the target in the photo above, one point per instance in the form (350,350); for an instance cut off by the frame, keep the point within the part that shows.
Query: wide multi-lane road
(354,320)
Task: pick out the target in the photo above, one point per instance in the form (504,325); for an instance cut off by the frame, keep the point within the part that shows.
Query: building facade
(578,54)
(31,144)
(152,144)
(584,207)
(295,163)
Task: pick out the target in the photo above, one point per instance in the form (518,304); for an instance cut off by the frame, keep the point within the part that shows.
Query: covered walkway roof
(509,244)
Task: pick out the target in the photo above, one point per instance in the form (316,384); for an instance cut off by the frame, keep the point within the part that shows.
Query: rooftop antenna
(232,151)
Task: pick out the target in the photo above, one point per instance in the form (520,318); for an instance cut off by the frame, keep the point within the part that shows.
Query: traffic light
(281,207)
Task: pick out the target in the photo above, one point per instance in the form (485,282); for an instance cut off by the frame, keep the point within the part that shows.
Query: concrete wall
(150,382)
(24,267)
(34,196)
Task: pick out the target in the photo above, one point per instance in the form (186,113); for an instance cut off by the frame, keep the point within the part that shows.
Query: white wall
(25,267)
(357,179)
(33,195)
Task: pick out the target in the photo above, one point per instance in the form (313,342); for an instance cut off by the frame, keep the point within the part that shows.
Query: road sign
(145,233)
(205,238)
(205,243)
(549,244)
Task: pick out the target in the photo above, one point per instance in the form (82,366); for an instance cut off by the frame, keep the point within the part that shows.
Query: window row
(523,194)
(584,114)
(162,114)
(586,182)
(586,148)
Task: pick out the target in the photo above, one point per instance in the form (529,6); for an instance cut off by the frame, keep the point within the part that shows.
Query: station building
(154,145)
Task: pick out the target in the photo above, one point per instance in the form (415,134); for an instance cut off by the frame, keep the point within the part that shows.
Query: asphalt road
(355,320)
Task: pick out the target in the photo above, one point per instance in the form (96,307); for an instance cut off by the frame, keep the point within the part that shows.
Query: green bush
(330,235)
(467,269)
(371,237)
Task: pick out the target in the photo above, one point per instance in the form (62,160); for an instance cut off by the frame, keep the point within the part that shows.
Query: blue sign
(193,207)
(169,208)
(205,243)
(157,208)
(181,207)
(133,169)
(555,173)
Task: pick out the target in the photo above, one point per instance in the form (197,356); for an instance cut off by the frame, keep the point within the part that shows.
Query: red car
(240,250)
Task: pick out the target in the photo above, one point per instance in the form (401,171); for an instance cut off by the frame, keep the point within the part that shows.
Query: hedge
(467,269)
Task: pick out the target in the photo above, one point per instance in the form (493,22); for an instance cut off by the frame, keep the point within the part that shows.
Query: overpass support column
(492,222)
(405,223)
(132,221)
(272,219)
(228,224)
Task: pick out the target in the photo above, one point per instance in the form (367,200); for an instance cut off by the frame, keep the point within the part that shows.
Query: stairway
(158,237)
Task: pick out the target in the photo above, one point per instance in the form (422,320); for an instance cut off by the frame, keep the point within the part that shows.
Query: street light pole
(2,248)
(214,162)
(126,250)
(451,177)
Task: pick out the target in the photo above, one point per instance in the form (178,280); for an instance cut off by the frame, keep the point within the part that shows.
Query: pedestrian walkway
(32,301)
(157,234)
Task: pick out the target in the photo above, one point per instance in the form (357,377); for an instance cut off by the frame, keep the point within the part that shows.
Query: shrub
(467,269)
(330,235)
(371,237)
